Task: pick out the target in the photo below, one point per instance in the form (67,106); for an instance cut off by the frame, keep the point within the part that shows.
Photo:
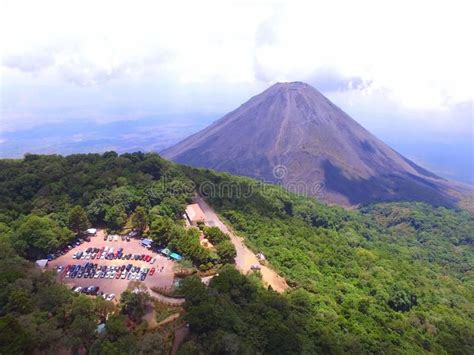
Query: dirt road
(245,257)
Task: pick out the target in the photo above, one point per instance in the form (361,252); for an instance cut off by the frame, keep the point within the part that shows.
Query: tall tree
(140,219)
(37,235)
(77,220)
(134,302)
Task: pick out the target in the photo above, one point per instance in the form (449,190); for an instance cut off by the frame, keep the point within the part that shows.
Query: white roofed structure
(195,214)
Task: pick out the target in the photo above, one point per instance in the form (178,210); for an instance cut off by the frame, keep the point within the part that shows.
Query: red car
(147,257)
(118,275)
(152,271)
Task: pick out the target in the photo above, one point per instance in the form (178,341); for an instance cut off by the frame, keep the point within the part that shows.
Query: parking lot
(162,275)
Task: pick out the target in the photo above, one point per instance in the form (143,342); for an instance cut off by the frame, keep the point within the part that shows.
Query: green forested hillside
(387,278)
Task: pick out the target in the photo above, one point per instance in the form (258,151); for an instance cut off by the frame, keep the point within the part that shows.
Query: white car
(78,289)
(152,261)
(115,237)
(110,297)
(110,238)
(124,274)
(96,276)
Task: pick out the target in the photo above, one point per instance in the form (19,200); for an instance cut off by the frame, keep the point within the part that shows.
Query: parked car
(152,261)
(105,238)
(152,271)
(110,297)
(78,289)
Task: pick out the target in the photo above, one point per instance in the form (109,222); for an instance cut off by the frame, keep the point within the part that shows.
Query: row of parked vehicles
(75,243)
(94,271)
(93,291)
(109,253)
(86,238)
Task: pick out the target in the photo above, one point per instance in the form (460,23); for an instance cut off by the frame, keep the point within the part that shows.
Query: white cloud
(418,54)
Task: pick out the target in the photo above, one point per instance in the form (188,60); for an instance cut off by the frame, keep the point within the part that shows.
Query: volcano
(292,135)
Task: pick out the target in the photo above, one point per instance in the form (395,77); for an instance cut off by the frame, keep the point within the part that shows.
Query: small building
(91,231)
(42,263)
(101,328)
(194,214)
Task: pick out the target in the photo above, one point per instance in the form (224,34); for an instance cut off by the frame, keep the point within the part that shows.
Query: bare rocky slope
(293,135)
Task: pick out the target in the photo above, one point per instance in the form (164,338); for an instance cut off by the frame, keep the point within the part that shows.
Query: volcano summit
(293,135)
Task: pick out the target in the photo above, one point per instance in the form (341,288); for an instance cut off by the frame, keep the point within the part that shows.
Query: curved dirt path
(166,299)
(245,257)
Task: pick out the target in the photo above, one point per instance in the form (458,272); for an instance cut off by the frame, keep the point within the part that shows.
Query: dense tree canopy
(386,278)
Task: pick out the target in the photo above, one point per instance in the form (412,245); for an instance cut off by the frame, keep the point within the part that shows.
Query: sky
(403,69)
